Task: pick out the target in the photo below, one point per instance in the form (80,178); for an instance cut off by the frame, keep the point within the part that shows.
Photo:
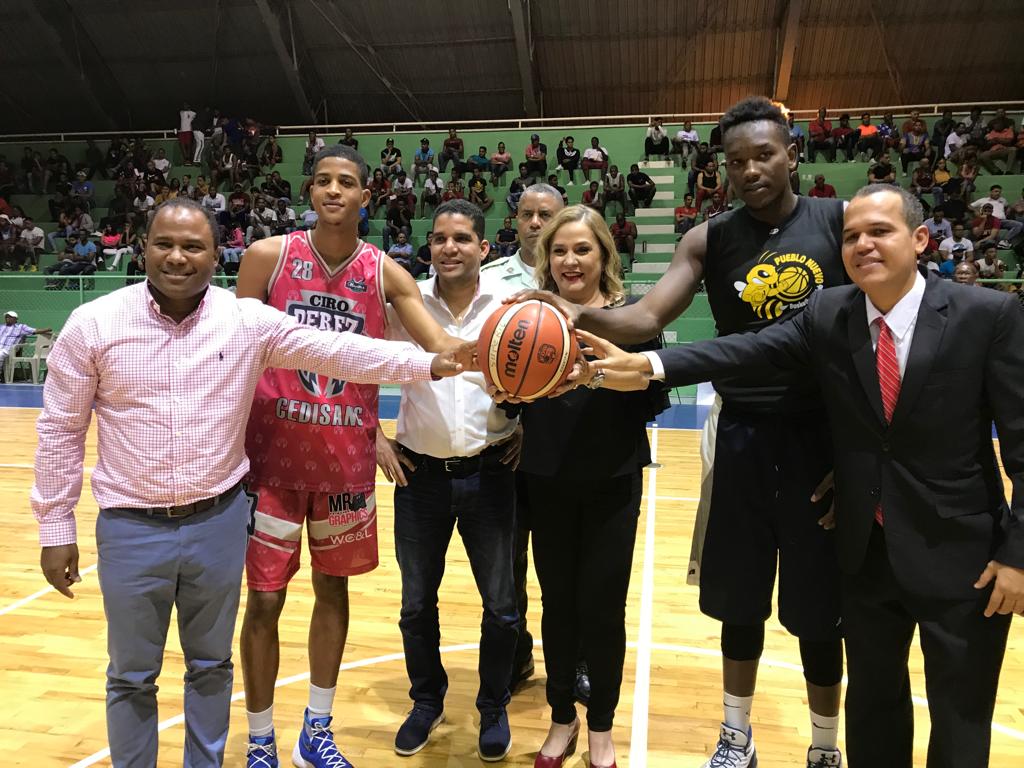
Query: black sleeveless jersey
(757,274)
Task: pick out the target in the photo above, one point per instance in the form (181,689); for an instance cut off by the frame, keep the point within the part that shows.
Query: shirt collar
(428,288)
(155,307)
(901,317)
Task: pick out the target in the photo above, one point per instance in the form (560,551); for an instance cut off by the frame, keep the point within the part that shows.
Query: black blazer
(934,468)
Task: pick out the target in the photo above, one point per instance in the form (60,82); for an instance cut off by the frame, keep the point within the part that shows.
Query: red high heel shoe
(602,766)
(546,761)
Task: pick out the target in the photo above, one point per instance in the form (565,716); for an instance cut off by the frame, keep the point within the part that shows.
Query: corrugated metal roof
(450,60)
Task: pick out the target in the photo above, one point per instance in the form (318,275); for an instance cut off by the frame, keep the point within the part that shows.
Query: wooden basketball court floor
(52,651)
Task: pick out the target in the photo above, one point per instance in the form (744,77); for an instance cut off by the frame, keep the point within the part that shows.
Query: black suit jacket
(933,468)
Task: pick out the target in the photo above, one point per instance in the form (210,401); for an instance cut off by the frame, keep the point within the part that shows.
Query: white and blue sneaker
(735,750)
(315,747)
(824,758)
(261,752)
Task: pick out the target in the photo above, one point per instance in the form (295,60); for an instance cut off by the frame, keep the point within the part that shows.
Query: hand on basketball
(465,353)
(567,308)
(448,363)
(1008,591)
(60,567)
(828,520)
(391,460)
(611,359)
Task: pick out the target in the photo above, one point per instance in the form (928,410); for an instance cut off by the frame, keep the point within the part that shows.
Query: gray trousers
(146,566)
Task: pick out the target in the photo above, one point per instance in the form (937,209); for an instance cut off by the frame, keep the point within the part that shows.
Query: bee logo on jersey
(780,282)
(327,313)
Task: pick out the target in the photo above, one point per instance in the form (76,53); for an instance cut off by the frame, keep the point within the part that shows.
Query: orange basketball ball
(526,349)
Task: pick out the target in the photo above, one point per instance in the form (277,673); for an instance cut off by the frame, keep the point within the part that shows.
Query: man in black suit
(914,371)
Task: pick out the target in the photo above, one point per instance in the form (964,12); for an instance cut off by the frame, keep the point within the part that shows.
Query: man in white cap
(11,334)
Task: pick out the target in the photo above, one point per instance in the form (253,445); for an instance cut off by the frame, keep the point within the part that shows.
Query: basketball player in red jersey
(311,445)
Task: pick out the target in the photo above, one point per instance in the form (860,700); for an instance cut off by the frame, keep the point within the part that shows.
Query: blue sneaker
(315,747)
(261,752)
(495,736)
(415,732)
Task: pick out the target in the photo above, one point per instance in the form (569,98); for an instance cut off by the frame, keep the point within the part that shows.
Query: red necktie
(888,369)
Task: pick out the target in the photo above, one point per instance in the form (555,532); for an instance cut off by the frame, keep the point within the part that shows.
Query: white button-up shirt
(455,416)
(901,319)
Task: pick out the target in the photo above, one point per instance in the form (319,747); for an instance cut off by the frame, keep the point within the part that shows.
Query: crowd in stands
(237,176)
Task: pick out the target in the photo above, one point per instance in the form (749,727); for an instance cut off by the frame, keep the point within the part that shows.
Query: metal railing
(523,123)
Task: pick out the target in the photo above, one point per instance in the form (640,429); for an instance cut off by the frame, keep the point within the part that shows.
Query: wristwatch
(597,380)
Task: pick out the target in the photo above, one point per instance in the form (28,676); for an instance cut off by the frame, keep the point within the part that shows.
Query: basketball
(793,283)
(526,349)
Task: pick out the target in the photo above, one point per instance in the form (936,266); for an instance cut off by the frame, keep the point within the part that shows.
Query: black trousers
(963,653)
(583,538)
(520,568)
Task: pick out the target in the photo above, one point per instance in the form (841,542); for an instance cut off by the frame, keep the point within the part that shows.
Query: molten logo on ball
(515,346)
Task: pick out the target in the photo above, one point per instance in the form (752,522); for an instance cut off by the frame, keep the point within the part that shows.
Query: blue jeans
(147,565)
(482,507)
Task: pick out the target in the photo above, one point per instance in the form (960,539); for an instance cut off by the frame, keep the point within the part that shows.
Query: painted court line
(36,595)
(642,686)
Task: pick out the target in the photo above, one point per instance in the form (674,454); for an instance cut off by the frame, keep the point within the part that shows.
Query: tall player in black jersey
(760,264)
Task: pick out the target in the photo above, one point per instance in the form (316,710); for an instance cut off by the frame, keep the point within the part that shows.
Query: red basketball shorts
(341,529)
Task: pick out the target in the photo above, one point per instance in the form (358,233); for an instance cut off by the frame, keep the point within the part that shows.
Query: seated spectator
(614,184)
(87,257)
(715,138)
(1001,144)
(349,140)
(796,136)
(56,165)
(568,157)
(390,159)
(956,247)
(593,197)
(137,266)
(313,145)
(595,158)
(234,247)
(553,182)
(986,226)
(718,205)
(941,129)
(624,235)
(114,156)
(479,160)
(152,176)
(115,244)
(700,161)
(914,145)
(422,161)
(506,240)
(996,204)
(478,189)
(433,191)
(966,273)
(868,144)
(161,163)
(685,143)
(452,151)
(380,190)
(923,182)
(422,264)
(990,266)
(882,171)
(656,142)
(402,187)
(457,186)
(954,206)
(33,172)
(938,225)
(501,161)
(271,155)
(29,246)
(308,218)
(536,158)
(13,333)
(262,219)
(889,132)
(820,188)
(82,192)
(641,187)
(928,259)
(1016,211)
(276,187)
(285,217)
(225,168)
(941,174)
(955,142)
(819,138)
(686,215)
(967,170)
(250,160)
(517,187)
(401,251)
(708,183)
(398,220)
(66,228)
(844,138)
(995,199)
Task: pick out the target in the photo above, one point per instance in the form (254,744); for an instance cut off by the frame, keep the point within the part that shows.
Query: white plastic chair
(30,353)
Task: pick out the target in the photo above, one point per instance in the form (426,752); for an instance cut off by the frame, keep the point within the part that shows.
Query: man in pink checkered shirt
(170,367)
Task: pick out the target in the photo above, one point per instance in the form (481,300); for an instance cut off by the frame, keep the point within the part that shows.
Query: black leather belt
(458,466)
(184,510)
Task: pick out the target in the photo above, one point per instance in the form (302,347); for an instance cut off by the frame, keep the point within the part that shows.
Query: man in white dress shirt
(453,465)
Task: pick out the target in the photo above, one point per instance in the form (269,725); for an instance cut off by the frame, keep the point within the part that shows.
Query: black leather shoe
(581,691)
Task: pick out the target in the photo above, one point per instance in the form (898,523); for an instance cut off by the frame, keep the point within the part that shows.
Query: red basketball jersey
(306,431)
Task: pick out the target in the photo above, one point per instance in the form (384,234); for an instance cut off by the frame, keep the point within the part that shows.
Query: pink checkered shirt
(172,400)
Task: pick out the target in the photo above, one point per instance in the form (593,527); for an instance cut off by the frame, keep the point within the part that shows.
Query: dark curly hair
(755,108)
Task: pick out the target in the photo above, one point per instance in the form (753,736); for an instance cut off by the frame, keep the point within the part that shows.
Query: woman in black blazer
(583,457)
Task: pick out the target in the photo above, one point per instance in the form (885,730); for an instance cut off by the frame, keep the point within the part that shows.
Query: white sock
(261,723)
(737,711)
(321,700)
(824,731)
